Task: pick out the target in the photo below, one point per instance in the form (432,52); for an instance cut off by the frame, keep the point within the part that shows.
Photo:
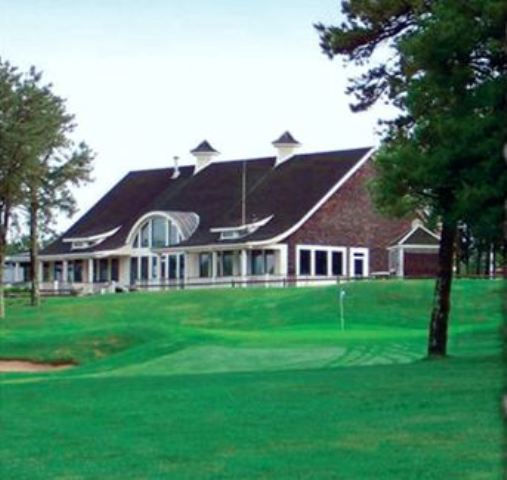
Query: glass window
(144,268)
(337,263)
(46,272)
(174,236)
(304,262)
(133,270)
(58,271)
(114,270)
(205,265)
(158,232)
(70,272)
(103,270)
(257,262)
(225,264)
(163,266)
(172,266)
(145,235)
(78,271)
(270,262)
(320,262)
(135,244)
(154,267)
(182,265)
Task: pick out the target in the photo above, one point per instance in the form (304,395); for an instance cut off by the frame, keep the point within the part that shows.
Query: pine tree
(443,65)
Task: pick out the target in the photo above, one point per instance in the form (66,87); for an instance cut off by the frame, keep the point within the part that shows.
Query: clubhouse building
(291,217)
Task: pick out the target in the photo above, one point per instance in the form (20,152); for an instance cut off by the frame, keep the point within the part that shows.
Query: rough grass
(255,383)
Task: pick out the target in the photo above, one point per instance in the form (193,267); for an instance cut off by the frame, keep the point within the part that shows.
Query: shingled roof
(287,193)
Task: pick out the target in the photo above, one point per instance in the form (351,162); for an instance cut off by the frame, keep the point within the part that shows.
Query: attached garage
(415,254)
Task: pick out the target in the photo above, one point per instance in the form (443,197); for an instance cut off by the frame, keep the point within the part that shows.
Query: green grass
(255,383)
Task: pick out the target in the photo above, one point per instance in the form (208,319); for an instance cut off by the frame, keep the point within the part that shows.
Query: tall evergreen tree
(56,166)
(443,65)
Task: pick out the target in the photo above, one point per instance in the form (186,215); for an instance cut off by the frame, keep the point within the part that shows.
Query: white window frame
(327,248)
(365,252)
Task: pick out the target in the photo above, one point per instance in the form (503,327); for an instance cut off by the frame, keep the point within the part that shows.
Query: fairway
(255,383)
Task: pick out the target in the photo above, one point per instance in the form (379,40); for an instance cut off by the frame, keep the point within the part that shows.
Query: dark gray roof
(286,138)
(286,193)
(204,147)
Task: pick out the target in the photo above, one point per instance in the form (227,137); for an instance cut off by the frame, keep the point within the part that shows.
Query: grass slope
(254,383)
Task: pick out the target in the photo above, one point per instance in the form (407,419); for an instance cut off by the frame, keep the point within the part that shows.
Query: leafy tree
(18,134)
(57,166)
(442,65)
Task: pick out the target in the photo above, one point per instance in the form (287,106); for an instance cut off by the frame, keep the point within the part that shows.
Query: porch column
(243,268)
(65,271)
(90,270)
(159,269)
(16,272)
(214,258)
(40,266)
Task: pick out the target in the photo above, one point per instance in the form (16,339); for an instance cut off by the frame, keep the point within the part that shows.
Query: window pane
(358,267)
(154,267)
(135,244)
(337,262)
(163,267)
(78,271)
(145,235)
(270,262)
(114,270)
(158,231)
(103,270)
(257,260)
(133,270)
(204,265)
(58,271)
(182,265)
(320,262)
(172,267)
(304,262)
(144,268)
(225,260)
(174,237)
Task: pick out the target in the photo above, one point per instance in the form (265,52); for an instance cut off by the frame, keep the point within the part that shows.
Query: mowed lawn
(255,384)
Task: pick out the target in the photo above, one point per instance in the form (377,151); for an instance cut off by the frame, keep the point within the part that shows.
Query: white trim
(414,229)
(409,246)
(259,223)
(365,252)
(144,218)
(327,248)
(91,238)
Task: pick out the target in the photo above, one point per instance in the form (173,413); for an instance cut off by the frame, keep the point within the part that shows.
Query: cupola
(286,145)
(203,154)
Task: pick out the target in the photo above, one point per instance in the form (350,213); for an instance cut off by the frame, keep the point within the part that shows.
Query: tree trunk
(34,255)
(437,341)
(478,261)
(2,292)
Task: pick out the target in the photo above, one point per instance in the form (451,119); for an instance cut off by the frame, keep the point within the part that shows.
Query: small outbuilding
(415,254)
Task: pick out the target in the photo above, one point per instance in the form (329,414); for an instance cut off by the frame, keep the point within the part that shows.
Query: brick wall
(349,219)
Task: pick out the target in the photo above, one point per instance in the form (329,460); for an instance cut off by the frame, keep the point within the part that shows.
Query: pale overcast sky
(150,80)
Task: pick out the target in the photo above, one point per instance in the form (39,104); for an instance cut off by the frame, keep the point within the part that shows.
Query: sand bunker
(7,366)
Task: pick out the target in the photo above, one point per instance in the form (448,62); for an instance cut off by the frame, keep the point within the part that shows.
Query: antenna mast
(243,195)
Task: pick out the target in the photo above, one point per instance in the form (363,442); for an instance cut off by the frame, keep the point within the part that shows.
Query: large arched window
(156,232)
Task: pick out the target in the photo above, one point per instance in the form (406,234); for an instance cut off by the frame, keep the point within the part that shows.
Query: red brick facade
(349,219)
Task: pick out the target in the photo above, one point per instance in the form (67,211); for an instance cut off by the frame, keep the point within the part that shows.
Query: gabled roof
(417,235)
(287,194)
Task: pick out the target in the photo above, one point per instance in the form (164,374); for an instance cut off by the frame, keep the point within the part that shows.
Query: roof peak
(204,147)
(286,139)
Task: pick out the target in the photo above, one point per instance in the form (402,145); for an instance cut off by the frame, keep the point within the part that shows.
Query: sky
(149,80)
